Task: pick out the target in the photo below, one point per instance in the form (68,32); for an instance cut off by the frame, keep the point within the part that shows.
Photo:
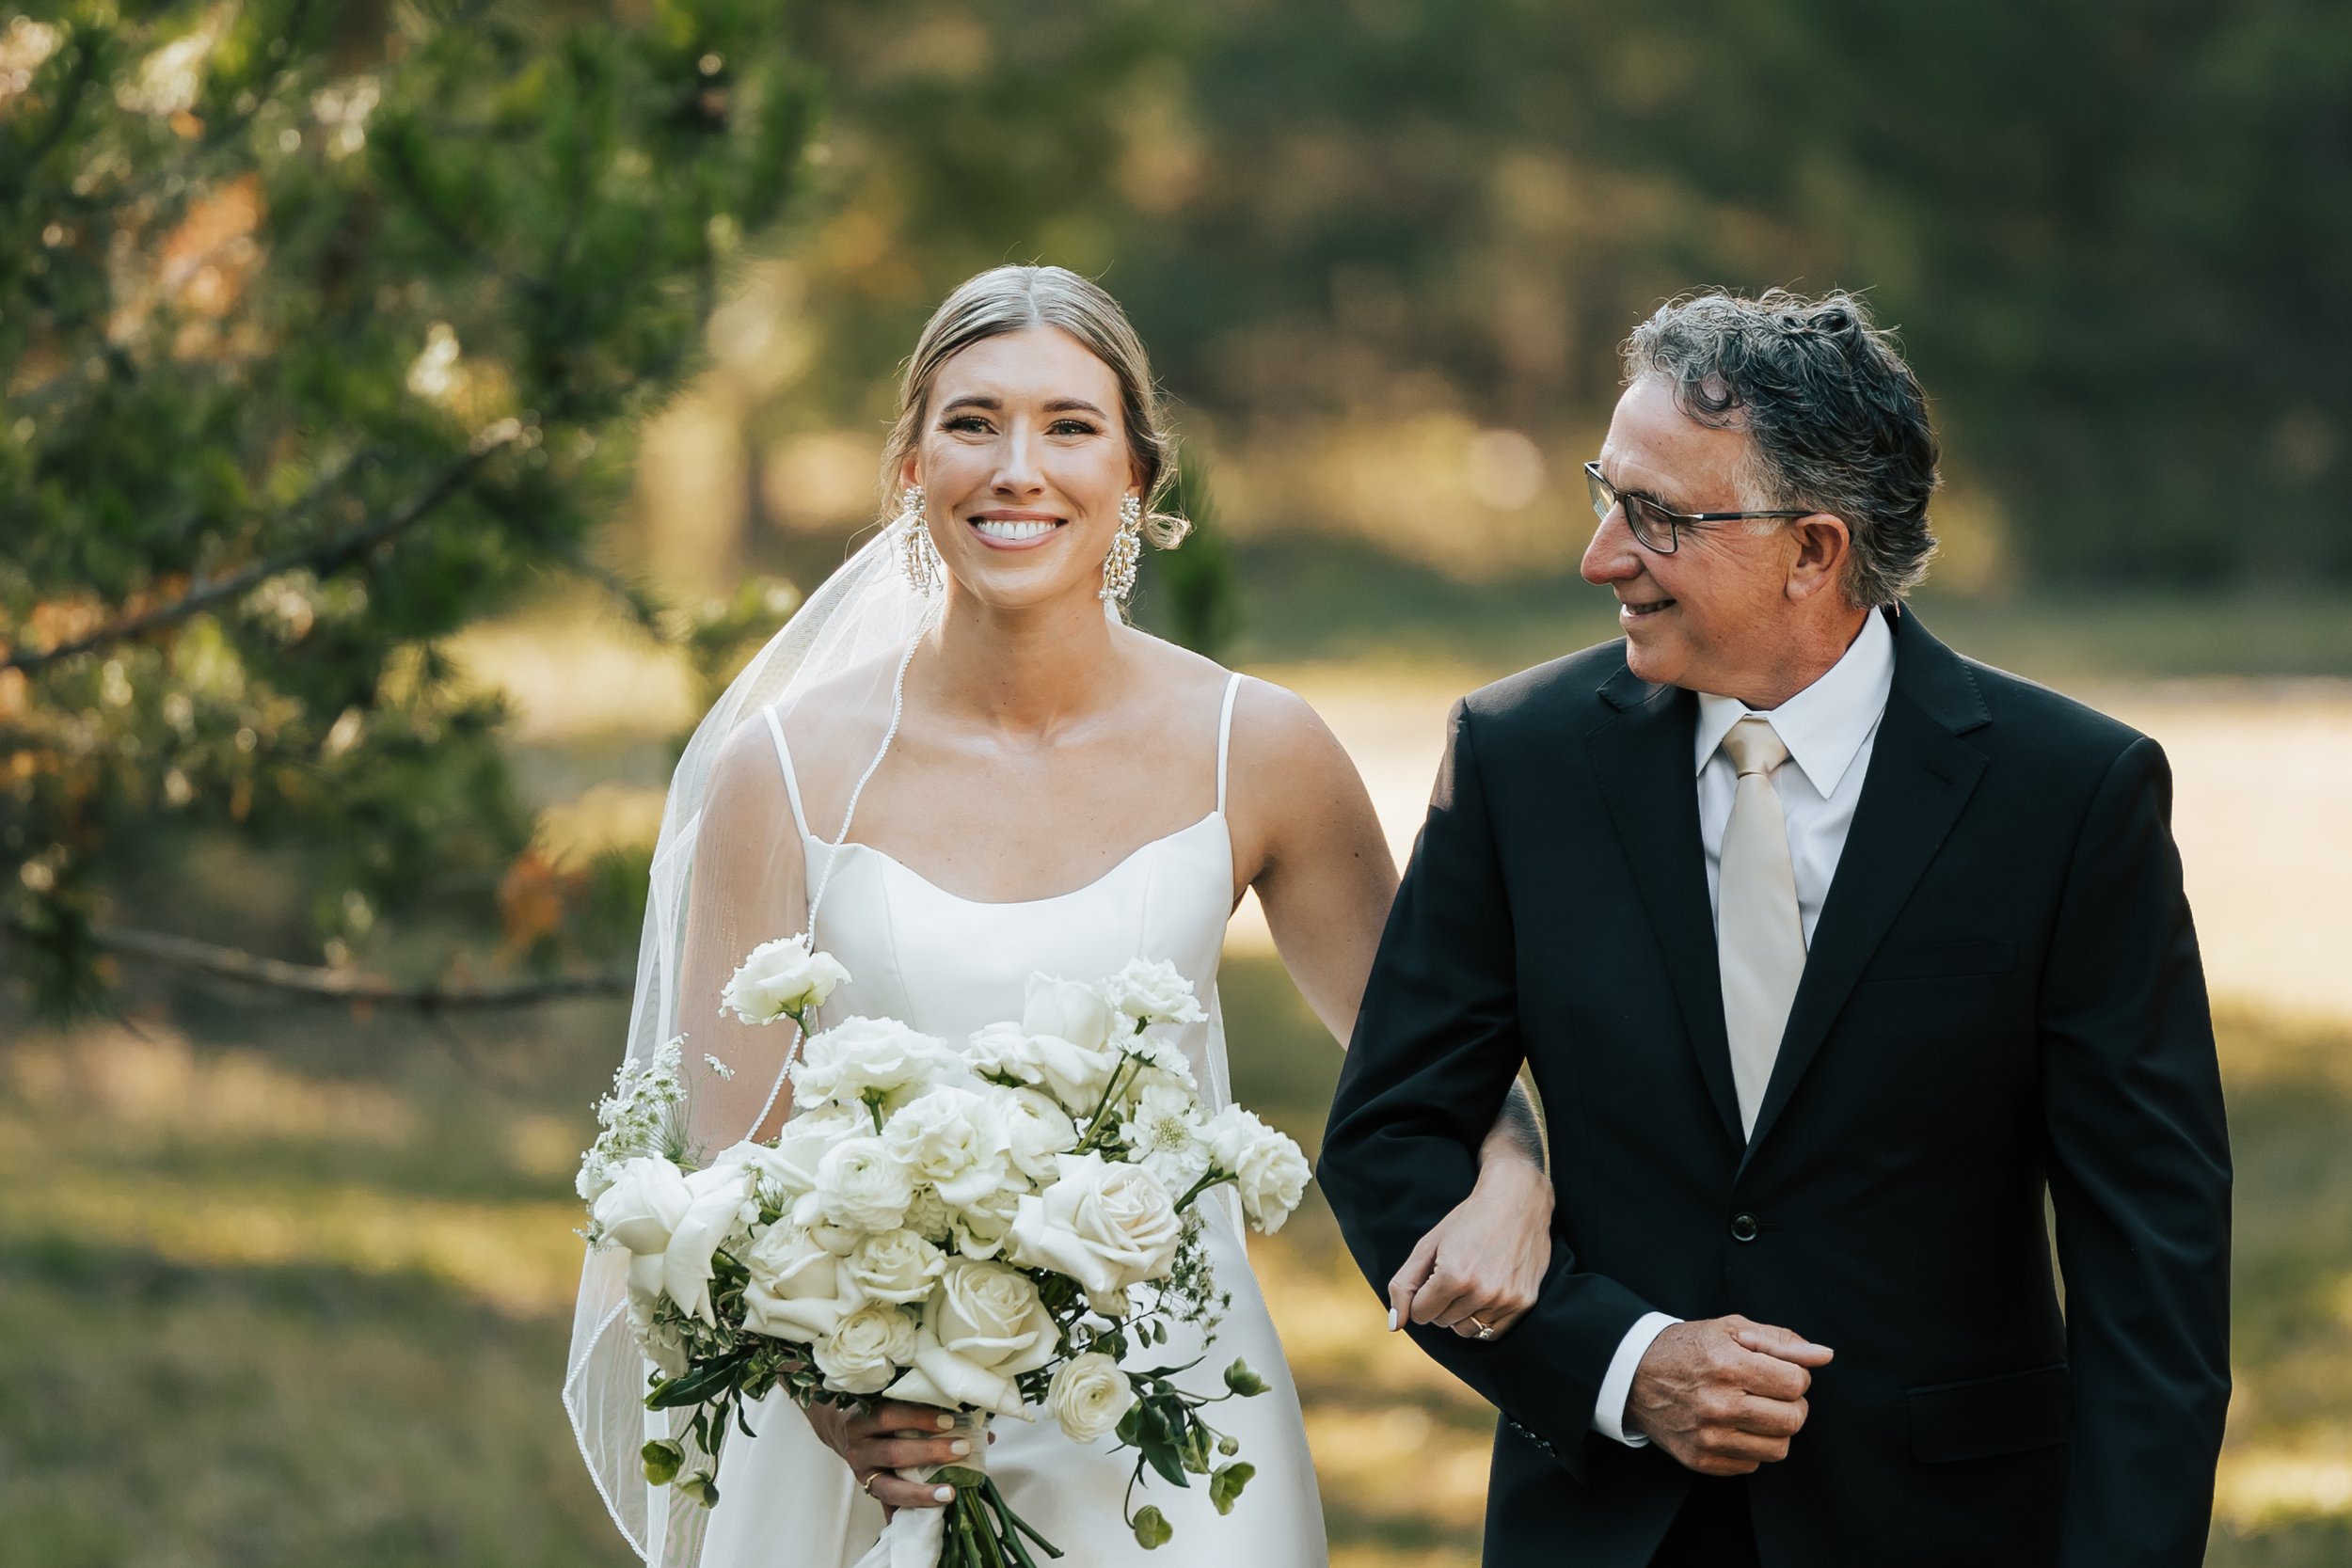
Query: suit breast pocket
(1987,1416)
(1940,960)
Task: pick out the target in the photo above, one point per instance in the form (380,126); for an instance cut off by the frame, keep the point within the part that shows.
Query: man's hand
(1485,1259)
(1724,1396)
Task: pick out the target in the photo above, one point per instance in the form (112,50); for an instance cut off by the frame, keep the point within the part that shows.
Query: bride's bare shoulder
(843,711)
(1280,743)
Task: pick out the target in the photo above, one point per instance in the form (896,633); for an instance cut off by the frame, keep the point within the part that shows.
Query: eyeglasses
(1653,525)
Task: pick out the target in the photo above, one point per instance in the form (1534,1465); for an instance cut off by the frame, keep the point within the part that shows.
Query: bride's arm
(1305,828)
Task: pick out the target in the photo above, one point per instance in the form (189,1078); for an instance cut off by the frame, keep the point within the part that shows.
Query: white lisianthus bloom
(1072,1073)
(1163,1132)
(1106,1225)
(662,1341)
(1158,1063)
(780,979)
(861,1186)
(1067,1011)
(714,1215)
(1152,990)
(979,1229)
(953,1139)
(643,1204)
(1036,1130)
(865,1349)
(983,1326)
(1269,1172)
(787,1169)
(798,1290)
(895,1266)
(1089,1396)
(862,1058)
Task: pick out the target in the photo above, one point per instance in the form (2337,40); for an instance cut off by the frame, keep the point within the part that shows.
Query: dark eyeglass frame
(1642,515)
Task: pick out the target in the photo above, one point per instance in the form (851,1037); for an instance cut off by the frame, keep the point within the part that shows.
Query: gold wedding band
(868,1484)
(1484,1332)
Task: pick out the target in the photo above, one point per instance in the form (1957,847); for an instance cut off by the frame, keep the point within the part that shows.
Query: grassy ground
(278,1290)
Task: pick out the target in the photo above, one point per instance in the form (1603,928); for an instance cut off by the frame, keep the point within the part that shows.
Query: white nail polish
(947,1422)
(944,1495)
(958,1448)
(1392,1319)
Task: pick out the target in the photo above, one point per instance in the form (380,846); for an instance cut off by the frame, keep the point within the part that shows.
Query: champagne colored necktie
(1759,937)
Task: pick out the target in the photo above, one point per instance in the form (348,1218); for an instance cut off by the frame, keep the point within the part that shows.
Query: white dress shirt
(1829,728)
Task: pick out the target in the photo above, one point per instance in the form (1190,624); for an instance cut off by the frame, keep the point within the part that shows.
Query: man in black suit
(1830,952)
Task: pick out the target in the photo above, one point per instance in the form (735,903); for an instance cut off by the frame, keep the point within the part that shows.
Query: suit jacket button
(1745,1228)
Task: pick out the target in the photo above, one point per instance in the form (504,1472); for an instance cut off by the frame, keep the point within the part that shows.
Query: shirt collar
(1824,725)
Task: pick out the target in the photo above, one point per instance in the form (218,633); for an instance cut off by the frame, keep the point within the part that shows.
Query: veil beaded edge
(864,613)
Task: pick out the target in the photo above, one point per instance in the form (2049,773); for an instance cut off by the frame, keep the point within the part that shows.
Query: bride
(957,765)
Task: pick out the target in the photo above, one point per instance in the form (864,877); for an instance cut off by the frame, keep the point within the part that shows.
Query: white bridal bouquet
(988,1229)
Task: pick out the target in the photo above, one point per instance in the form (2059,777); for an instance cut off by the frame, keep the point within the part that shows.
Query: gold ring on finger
(1483,1331)
(868,1484)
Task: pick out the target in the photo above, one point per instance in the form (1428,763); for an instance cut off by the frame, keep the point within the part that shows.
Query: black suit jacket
(2003,997)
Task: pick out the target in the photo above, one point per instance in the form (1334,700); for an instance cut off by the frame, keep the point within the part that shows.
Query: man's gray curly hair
(1836,421)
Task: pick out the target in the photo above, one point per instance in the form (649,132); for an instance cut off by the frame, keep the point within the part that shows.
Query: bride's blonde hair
(1015,299)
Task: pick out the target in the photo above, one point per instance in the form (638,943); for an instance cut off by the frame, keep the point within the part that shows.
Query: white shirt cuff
(1608,1410)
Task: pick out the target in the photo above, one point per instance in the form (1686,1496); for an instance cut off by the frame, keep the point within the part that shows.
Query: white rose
(715,1214)
(1106,1225)
(1164,1132)
(865,1349)
(1067,1011)
(1036,1130)
(787,1169)
(861,1186)
(1089,1396)
(983,1326)
(954,1140)
(896,1266)
(798,1288)
(1075,1074)
(780,978)
(1152,991)
(865,1058)
(1269,1172)
(643,1203)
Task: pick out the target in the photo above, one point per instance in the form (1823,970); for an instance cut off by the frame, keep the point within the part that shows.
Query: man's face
(1714,615)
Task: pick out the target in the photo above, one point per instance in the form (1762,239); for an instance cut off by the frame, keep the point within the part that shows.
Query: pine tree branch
(329,556)
(316,983)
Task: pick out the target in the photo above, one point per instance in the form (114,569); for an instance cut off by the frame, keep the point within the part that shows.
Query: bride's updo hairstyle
(1012,299)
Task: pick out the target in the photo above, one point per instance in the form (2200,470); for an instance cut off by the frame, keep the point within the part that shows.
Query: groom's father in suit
(1831,953)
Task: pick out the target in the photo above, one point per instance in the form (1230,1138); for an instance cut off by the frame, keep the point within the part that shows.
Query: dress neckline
(1134,855)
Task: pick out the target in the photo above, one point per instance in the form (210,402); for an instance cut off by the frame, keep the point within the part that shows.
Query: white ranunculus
(861,1186)
(863,1057)
(1163,1129)
(1072,1073)
(929,1217)
(1036,1130)
(714,1215)
(953,1139)
(1068,1011)
(896,1266)
(983,1326)
(865,1349)
(799,1291)
(1089,1396)
(1105,1225)
(1269,1172)
(1151,991)
(781,978)
(647,1198)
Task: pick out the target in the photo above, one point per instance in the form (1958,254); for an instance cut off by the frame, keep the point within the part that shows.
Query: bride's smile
(1015,530)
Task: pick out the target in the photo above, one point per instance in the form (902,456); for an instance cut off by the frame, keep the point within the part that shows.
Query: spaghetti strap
(1224,736)
(784,760)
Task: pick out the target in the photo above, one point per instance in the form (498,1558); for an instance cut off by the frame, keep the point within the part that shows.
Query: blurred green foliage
(325,331)
(2112,236)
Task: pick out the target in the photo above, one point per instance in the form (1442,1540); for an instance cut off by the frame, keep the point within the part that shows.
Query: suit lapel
(1920,776)
(1642,757)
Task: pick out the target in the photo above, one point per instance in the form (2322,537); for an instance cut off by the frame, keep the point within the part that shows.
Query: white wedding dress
(949,966)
